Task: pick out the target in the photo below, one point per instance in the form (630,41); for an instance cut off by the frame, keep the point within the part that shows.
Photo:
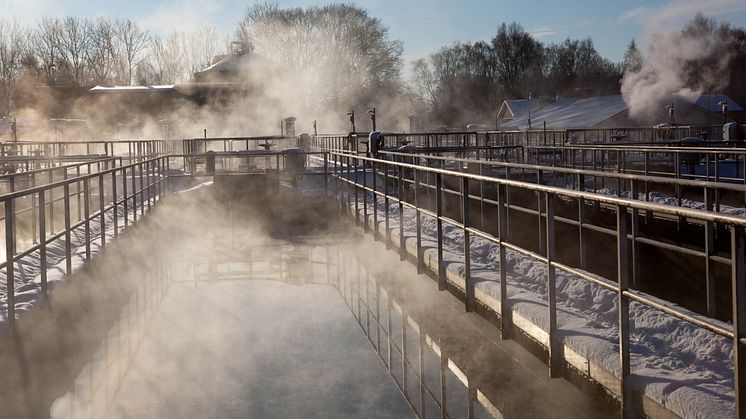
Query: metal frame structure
(134,188)
(348,169)
(710,193)
(645,160)
(129,149)
(235,144)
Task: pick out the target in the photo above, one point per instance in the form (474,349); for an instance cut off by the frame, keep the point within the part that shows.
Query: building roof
(517,107)
(565,113)
(132,89)
(232,64)
(712,103)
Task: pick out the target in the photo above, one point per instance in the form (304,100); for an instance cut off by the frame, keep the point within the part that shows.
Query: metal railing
(534,137)
(124,148)
(109,198)
(702,163)
(354,187)
(229,144)
(713,195)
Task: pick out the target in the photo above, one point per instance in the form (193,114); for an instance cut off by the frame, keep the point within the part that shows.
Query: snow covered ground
(684,368)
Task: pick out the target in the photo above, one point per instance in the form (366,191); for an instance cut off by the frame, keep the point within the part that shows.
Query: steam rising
(682,64)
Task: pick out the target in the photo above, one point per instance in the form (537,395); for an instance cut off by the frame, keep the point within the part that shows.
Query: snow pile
(684,368)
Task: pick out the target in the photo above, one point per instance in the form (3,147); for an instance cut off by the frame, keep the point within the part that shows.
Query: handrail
(604,199)
(597,173)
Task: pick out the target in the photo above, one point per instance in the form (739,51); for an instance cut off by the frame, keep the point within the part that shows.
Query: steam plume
(682,64)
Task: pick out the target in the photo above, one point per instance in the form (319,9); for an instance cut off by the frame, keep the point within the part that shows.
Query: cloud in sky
(544,31)
(676,12)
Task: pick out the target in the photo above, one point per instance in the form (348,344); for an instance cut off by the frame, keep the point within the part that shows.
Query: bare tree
(342,51)
(133,42)
(74,42)
(46,46)
(103,54)
(12,37)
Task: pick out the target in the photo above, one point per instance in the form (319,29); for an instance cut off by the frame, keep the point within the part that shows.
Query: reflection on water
(245,325)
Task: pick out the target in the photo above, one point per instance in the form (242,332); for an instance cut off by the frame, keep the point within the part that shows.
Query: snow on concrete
(686,369)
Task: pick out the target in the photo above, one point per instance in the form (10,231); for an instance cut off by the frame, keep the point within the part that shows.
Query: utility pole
(529,111)
(315,132)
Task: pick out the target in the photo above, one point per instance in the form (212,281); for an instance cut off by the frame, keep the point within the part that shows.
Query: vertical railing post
(374,174)
(502,227)
(386,225)
(43,243)
(439,222)
(635,271)
(418,221)
(125,198)
(114,202)
(87,214)
(326,174)
(365,196)
(102,206)
(555,346)
(540,209)
(142,188)
(468,284)
(738,279)
(134,192)
(10,237)
(623,307)
(402,241)
(709,252)
(68,244)
(581,238)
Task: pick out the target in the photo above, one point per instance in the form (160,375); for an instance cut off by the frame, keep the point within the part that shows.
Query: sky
(424,26)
